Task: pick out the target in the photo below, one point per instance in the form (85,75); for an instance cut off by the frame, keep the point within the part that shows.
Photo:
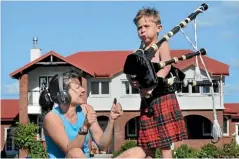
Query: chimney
(35,52)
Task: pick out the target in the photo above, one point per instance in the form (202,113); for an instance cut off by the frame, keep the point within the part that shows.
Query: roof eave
(7,119)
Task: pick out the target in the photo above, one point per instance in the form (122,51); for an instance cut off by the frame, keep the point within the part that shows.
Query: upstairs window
(100,88)
(44,82)
(196,90)
(127,89)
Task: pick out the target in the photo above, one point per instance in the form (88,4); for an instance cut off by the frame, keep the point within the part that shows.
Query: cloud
(12,88)
(231,89)
(219,15)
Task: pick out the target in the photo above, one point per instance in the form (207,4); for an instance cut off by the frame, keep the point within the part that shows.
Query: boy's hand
(134,84)
(146,91)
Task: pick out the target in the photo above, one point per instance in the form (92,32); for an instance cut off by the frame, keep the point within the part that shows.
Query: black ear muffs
(63,96)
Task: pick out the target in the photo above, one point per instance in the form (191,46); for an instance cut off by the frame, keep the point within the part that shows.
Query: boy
(166,125)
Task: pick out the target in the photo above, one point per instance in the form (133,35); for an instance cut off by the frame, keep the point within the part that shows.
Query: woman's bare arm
(102,139)
(54,128)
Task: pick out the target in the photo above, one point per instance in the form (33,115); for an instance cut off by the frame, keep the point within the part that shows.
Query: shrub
(185,152)
(158,153)
(230,150)
(24,138)
(209,151)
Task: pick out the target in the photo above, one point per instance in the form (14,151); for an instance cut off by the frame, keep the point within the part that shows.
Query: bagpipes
(139,66)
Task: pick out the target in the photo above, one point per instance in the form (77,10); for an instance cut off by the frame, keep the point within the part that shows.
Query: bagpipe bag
(144,71)
(140,69)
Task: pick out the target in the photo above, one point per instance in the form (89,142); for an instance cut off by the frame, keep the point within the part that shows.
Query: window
(185,89)
(131,128)
(44,81)
(216,88)
(193,90)
(207,89)
(206,127)
(105,88)
(10,146)
(196,89)
(100,88)
(127,89)
(237,129)
(225,126)
(40,132)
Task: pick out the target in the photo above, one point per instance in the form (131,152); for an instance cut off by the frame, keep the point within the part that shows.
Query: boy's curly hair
(149,12)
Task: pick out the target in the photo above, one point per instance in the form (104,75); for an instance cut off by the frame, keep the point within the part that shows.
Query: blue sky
(69,27)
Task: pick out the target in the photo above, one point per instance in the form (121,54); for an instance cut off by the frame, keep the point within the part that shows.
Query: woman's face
(76,91)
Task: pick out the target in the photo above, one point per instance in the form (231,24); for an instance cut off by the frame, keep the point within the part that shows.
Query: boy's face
(148,30)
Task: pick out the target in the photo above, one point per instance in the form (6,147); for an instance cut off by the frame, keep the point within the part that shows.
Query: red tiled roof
(9,109)
(101,63)
(213,66)
(232,109)
(109,63)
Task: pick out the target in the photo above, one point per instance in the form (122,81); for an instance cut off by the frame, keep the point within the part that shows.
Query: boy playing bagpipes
(161,122)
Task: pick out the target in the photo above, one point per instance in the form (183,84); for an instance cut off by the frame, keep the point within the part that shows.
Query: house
(104,81)
(9,117)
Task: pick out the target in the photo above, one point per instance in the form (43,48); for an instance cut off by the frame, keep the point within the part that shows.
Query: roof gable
(44,59)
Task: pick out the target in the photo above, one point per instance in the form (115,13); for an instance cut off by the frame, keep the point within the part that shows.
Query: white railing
(33,98)
(33,102)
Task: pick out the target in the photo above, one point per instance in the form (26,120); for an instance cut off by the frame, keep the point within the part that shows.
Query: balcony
(33,102)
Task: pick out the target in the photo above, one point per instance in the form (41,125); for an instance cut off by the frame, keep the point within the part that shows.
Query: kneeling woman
(67,126)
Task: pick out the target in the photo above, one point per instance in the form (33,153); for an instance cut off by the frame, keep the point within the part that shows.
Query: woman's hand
(90,117)
(116,111)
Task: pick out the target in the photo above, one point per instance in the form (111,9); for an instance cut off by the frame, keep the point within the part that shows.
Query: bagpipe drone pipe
(139,66)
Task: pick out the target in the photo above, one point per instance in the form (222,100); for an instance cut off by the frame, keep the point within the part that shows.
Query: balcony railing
(33,98)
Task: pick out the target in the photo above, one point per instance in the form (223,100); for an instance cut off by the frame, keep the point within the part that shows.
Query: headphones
(62,96)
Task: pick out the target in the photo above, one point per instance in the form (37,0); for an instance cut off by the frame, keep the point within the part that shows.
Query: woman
(67,126)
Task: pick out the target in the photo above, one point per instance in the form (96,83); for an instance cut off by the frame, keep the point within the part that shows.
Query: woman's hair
(49,95)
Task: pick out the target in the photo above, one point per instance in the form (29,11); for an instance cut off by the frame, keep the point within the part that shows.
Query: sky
(70,27)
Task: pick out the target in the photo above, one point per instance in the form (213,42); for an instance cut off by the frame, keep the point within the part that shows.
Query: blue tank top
(53,150)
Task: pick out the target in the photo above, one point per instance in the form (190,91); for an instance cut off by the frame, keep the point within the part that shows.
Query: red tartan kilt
(165,126)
